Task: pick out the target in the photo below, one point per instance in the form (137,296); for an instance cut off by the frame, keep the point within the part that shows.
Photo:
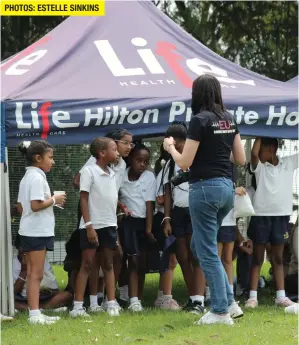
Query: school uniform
(36,228)
(228,230)
(48,281)
(135,194)
(272,201)
(180,217)
(102,204)
(119,169)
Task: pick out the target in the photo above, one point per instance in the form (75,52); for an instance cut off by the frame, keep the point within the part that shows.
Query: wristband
(88,223)
(54,201)
(165,219)
(24,280)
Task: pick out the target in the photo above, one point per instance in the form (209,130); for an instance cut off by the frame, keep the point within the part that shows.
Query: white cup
(59,192)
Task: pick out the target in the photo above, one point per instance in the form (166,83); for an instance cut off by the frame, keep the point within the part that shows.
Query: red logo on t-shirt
(224,124)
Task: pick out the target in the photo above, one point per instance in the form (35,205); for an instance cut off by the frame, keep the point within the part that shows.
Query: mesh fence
(68,161)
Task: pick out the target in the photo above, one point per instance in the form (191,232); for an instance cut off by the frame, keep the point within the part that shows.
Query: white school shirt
(274,192)
(135,194)
(119,169)
(180,194)
(102,200)
(159,191)
(34,186)
(47,282)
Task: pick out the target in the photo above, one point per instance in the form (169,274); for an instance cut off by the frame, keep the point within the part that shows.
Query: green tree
(259,35)
(19,32)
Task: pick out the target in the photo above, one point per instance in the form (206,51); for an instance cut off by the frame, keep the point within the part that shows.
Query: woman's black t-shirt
(216,136)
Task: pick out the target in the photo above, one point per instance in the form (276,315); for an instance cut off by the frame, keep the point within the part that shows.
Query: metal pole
(3,244)
(11,302)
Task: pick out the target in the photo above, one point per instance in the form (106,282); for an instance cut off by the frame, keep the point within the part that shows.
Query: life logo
(168,52)
(152,69)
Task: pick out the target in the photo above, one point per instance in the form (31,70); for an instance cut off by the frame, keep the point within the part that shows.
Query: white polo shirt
(34,186)
(119,169)
(102,200)
(274,192)
(48,281)
(159,191)
(180,194)
(135,194)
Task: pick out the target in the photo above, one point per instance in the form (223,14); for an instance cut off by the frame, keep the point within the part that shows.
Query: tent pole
(3,245)
(11,302)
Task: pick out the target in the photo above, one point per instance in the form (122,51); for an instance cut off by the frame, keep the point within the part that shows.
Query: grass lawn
(265,325)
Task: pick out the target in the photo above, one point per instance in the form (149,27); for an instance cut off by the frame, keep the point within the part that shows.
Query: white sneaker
(251,303)
(40,320)
(6,318)
(113,309)
(170,304)
(136,307)
(235,311)
(96,309)
(210,318)
(104,305)
(283,302)
(51,318)
(292,309)
(79,313)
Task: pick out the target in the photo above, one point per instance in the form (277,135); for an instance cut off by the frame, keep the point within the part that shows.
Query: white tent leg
(11,303)
(3,244)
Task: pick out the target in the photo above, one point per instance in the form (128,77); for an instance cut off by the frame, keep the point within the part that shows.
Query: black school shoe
(124,304)
(195,307)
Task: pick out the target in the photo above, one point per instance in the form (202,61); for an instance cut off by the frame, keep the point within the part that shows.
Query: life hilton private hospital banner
(88,76)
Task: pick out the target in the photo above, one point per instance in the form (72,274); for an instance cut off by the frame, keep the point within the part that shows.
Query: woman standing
(213,142)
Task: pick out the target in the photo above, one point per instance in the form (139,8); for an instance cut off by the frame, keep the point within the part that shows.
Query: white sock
(110,303)
(35,312)
(93,300)
(253,295)
(160,294)
(133,299)
(232,288)
(124,292)
(280,293)
(167,296)
(197,298)
(78,305)
(100,295)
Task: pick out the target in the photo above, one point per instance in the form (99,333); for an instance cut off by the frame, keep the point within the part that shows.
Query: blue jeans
(209,202)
